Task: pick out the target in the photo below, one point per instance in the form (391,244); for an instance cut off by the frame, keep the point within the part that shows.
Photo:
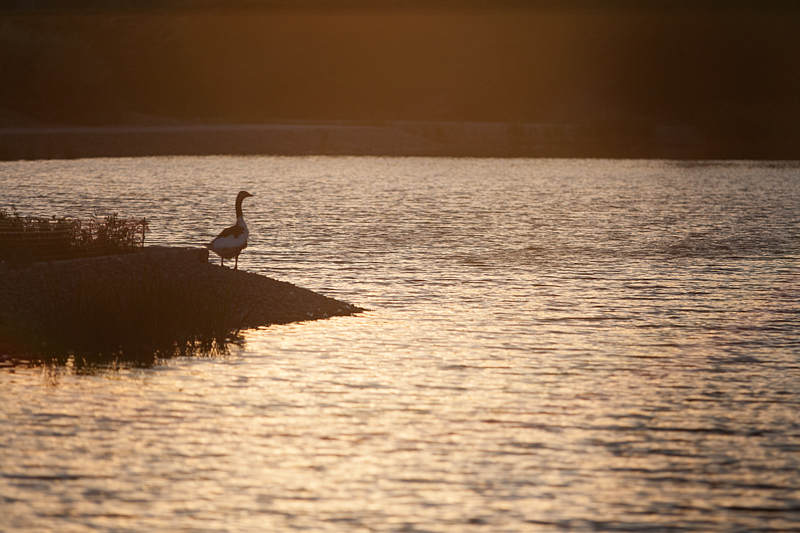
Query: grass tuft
(32,239)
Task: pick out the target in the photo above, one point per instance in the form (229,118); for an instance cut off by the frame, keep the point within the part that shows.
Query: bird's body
(231,241)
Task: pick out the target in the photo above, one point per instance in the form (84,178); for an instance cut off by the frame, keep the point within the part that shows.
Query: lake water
(551,345)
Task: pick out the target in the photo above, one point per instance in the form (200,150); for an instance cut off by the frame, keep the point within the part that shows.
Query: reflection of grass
(149,315)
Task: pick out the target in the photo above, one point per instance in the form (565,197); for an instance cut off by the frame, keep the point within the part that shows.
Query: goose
(231,241)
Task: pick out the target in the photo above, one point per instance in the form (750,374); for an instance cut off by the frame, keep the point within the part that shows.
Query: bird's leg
(222,261)
(236,266)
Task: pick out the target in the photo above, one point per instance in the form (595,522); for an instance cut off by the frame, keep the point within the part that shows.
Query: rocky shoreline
(147,292)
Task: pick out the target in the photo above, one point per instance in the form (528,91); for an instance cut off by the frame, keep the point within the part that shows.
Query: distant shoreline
(389,138)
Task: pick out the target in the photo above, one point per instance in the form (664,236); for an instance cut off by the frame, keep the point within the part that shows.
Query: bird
(231,241)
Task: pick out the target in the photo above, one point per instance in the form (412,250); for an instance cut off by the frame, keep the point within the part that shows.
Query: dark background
(726,72)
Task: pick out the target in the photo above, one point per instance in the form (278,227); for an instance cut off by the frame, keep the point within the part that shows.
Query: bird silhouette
(231,241)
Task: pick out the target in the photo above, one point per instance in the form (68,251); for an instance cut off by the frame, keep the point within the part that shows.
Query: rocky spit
(31,294)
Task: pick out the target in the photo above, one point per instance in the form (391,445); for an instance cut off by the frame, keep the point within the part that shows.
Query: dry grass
(31,239)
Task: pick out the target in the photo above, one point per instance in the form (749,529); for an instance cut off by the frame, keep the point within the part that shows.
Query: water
(552,345)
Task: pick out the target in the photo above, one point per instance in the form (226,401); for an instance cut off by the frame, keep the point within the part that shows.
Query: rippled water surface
(552,345)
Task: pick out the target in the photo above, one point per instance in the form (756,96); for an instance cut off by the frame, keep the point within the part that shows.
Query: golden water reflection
(377,422)
(552,345)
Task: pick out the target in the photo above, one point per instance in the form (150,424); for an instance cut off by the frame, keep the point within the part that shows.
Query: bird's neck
(240,220)
(239,214)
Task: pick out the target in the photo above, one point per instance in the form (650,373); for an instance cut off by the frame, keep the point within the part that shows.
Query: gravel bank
(46,295)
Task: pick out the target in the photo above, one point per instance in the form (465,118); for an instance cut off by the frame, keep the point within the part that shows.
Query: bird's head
(242,195)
